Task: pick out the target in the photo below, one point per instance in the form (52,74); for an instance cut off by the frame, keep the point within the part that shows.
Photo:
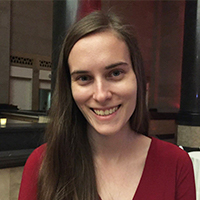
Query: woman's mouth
(105,112)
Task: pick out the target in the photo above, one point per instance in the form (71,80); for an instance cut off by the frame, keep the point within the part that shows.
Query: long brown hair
(67,171)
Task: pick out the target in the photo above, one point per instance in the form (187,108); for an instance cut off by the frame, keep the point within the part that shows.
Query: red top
(168,174)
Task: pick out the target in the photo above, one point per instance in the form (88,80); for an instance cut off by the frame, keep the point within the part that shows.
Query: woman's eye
(82,80)
(116,74)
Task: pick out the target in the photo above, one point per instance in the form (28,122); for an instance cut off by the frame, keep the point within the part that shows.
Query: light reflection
(3,122)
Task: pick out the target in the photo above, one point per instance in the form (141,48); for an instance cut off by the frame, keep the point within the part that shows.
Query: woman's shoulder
(170,157)
(36,156)
(40,150)
(165,149)
(28,189)
(163,145)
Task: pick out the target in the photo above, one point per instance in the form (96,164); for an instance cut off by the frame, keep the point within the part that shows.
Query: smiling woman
(105,90)
(97,146)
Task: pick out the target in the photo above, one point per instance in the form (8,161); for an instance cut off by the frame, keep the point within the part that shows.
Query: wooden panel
(162,127)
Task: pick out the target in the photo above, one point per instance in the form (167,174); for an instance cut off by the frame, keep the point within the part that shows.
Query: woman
(96,144)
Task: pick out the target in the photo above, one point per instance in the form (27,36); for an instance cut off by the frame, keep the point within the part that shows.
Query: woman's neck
(113,148)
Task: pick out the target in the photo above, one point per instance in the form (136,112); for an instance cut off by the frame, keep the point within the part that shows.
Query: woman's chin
(104,130)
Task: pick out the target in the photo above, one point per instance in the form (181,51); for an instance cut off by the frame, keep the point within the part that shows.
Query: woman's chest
(115,183)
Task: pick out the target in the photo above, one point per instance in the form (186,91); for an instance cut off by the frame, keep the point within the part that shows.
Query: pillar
(5,12)
(65,13)
(189,115)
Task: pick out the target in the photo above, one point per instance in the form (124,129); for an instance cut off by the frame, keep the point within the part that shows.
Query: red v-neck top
(168,174)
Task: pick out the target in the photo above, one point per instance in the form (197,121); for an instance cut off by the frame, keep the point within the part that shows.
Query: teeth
(106,112)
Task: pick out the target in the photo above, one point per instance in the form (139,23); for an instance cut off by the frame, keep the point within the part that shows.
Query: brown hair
(67,171)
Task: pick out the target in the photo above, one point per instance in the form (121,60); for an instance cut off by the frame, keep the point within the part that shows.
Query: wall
(32,27)
(31,45)
(28,74)
(25,27)
(4,50)
(10,180)
(166,82)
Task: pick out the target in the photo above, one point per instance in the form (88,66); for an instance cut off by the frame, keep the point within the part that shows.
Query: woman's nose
(101,92)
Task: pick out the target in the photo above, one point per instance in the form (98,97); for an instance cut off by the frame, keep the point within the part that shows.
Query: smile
(106,112)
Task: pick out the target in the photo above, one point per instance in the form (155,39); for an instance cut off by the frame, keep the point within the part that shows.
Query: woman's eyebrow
(107,67)
(79,72)
(115,65)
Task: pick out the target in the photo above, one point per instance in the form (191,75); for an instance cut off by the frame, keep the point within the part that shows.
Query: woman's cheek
(80,94)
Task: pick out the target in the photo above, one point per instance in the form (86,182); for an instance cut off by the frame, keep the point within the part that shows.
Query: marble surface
(10,179)
(188,136)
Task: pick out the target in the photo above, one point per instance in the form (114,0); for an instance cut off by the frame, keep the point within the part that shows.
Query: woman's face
(103,82)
